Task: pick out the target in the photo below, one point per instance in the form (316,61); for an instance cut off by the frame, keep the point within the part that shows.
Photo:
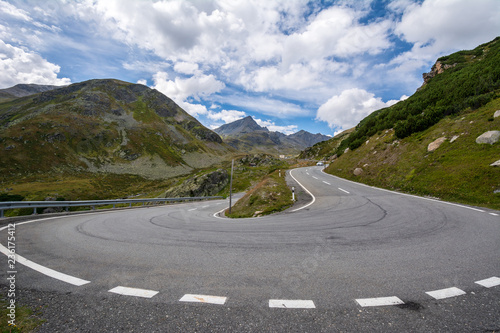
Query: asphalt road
(336,259)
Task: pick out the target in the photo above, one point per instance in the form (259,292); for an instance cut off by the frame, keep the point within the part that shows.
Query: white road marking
(314,177)
(205,206)
(491,282)
(190,210)
(493,214)
(42,269)
(405,194)
(379,301)
(446,293)
(203,299)
(326,183)
(343,190)
(291,304)
(133,292)
(305,189)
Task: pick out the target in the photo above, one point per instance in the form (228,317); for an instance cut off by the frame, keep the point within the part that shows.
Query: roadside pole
(231,186)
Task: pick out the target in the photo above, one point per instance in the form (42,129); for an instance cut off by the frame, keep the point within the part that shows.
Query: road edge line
(314,198)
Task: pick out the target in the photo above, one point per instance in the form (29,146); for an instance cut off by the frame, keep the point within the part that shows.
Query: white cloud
(180,89)
(20,66)
(289,129)
(193,109)
(336,32)
(186,68)
(143,82)
(349,108)
(265,105)
(227,116)
(438,27)
(13,11)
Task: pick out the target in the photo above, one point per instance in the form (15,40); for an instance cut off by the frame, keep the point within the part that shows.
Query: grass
(270,195)
(25,319)
(458,171)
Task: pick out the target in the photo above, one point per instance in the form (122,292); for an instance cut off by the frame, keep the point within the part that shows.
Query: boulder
(435,144)
(489,137)
(358,171)
(495,164)
(454,138)
(497,114)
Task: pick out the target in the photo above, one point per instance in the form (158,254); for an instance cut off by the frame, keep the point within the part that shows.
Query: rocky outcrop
(435,144)
(200,186)
(489,137)
(437,69)
(358,171)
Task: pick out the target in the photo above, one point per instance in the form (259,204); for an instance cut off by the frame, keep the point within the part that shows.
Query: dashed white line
(407,195)
(314,177)
(446,293)
(190,210)
(203,299)
(493,214)
(343,190)
(379,301)
(133,292)
(490,282)
(205,206)
(291,304)
(327,183)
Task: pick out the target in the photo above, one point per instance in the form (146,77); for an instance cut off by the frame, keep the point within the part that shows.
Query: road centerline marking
(327,183)
(291,304)
(203,299)
(137,292)
(379,301)
(445,293)
(490,282)
(314,177)
(343,190)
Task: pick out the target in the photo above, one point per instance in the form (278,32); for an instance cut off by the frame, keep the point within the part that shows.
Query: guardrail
(90,203)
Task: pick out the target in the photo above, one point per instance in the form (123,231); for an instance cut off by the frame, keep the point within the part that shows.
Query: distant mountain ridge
(248,136)
(22,90)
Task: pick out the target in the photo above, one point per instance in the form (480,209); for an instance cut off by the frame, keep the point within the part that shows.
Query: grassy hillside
(270,195)
(457,171)
(466,80)
(100,139)
(325,150)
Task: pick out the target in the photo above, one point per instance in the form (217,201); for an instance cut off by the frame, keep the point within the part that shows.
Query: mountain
(102,126)
(248,136)
(306,138)
(441,142)
(245,125)
(21,90)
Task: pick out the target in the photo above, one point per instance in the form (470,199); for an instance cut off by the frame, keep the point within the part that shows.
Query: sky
(320,66)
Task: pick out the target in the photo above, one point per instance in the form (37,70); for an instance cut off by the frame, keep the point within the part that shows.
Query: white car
(319,163)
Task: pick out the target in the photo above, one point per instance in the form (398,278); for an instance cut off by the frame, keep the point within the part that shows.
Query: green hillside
(99,139)
(469,80)
(390,148)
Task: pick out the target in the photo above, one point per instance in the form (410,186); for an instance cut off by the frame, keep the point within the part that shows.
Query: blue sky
(321,66)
